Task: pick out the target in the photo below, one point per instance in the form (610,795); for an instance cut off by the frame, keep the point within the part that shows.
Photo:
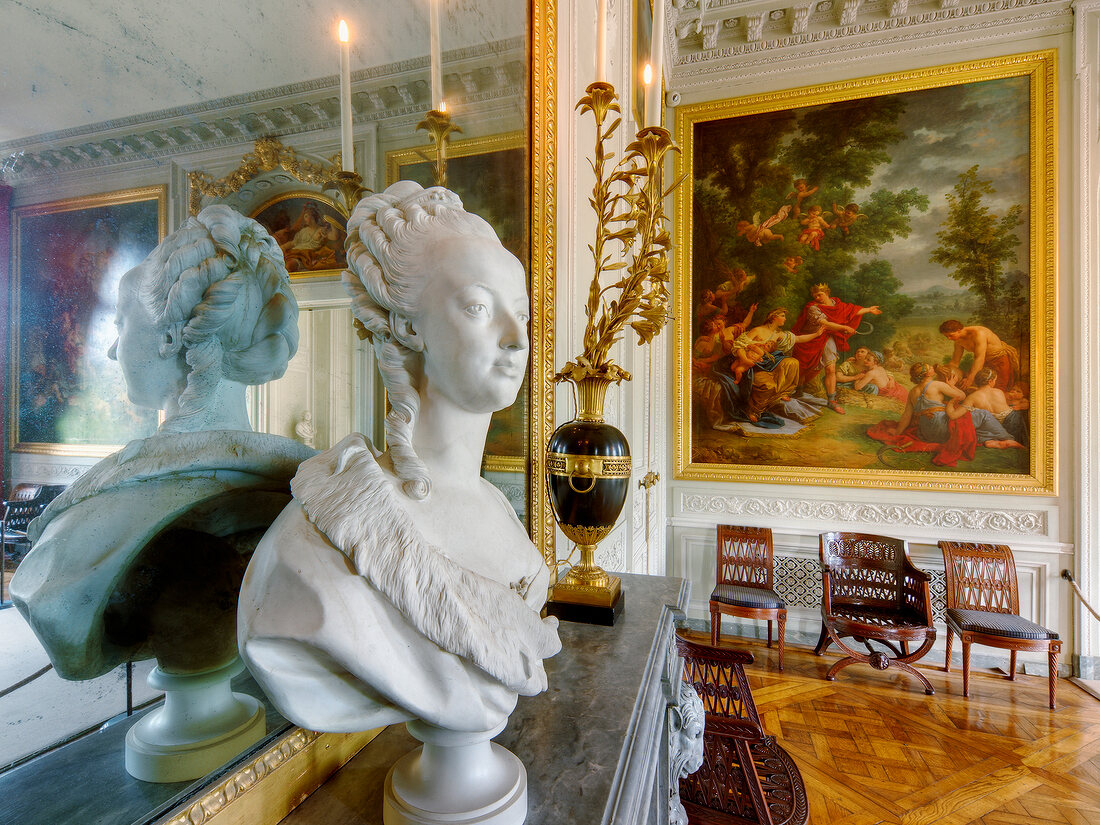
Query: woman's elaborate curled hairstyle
(388,237)
(219,287)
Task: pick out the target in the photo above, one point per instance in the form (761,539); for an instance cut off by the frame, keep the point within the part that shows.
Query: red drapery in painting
(5,324)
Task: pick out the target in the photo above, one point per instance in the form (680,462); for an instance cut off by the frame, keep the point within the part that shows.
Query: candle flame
(647,74)
(443,105)
(343,32)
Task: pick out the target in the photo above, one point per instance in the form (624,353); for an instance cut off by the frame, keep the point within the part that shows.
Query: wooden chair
(872,591)
(746,776)
(983,606)
(26,503)
(744,587)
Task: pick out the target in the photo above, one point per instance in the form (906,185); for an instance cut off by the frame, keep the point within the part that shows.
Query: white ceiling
(68,63)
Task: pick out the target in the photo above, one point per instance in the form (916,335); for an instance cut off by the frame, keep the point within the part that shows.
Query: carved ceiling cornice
(708,36)
(475,76)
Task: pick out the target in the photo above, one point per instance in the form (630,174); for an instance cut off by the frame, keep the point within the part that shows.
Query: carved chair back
(26,503)
(745,775)
(718,676)
(864,569)
(745,556)
(980,577)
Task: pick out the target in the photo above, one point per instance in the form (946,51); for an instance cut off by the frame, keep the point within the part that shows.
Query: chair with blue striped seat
(744,581)
(983,607)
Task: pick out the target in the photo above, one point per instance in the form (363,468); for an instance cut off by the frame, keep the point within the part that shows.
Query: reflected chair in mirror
(744,581)
(872,592)
(746,776)
(26,502)
(983,607)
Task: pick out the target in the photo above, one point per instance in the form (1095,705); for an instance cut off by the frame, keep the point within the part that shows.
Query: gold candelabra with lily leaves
(588,460)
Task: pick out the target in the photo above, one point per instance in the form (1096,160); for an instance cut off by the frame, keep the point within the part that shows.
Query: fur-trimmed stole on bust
(346,495)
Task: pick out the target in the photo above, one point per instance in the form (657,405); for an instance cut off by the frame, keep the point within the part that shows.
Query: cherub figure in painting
(791,263)
(815,224)
(802,190)
(846,217)
(747,354)
(759,233)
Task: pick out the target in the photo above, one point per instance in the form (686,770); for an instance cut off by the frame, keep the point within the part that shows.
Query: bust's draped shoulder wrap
(350,619)
(84,543)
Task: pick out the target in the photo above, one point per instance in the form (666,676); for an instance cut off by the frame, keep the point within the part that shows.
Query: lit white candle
(436,56)
(657,60)
(347,153)
(601,40)
(647,104)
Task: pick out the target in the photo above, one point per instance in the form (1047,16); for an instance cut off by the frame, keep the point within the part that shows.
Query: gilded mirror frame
(296,763)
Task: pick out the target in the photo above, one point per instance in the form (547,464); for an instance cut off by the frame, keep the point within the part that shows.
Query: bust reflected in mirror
(400,586)
(143,555)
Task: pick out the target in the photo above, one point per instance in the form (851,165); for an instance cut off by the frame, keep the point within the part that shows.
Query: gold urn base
(587,593)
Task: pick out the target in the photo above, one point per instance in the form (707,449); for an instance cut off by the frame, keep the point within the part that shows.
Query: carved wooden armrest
(736,728)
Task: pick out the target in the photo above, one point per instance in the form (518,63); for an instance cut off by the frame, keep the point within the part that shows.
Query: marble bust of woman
(142,556)
(401,586)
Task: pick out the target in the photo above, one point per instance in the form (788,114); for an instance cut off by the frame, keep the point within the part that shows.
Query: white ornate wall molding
(26,467)
(610,553)
(704,506)
(760,33)
(1086,194)
(476,76)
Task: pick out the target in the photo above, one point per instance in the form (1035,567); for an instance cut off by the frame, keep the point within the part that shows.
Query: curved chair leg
(823,640)
(908,668)
(1052,663)
(715,626)
(839,666)
(947,657)
(782,617)
(1012,666)
(966,667)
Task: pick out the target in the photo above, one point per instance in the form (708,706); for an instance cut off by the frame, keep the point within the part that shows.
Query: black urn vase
(588,477)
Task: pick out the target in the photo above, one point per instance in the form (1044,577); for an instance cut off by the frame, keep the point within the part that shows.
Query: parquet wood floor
(873,748)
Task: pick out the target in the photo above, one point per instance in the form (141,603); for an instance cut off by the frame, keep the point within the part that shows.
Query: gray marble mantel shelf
(595,744)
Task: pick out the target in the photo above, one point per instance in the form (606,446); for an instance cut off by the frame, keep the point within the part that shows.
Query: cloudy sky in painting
(949,130)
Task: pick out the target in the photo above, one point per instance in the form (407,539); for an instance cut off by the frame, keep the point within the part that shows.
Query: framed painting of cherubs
(310,228)
(68,397)
(866,282)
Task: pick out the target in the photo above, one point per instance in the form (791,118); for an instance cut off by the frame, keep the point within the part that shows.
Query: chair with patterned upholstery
(744,582)
(872,592)
(983,607)
(26,503)
(746,775)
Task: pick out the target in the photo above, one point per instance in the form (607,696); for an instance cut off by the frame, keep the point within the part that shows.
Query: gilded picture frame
(310,228)
(482,172)
(67,397)
(925,202)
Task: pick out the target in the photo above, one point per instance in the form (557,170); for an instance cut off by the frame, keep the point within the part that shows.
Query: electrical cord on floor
(26,681)
(1069,577)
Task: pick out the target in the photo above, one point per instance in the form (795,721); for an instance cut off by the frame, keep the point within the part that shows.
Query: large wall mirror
(498,67)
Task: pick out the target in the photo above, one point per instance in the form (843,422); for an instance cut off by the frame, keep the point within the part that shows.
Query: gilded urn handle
(582,468)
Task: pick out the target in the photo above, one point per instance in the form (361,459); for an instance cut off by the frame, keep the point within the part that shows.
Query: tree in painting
(830,244)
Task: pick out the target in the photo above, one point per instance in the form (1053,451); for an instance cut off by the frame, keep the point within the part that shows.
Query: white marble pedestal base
(455,777)
(200,726)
